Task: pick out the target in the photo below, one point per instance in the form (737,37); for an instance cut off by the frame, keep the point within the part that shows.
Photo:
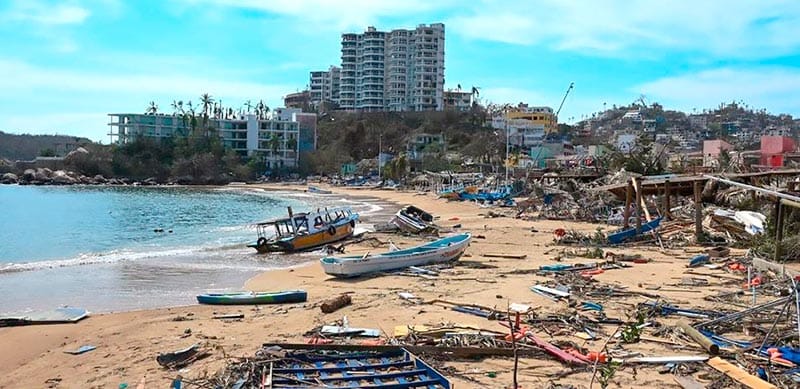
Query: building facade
(324,86)
(526,126)
(456,100)
(400,70)
(278,140)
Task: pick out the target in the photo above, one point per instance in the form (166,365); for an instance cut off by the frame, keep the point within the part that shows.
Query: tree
(152,109)
(48,152)
(207,102)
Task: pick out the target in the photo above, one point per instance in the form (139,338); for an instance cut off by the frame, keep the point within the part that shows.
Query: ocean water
(102,248)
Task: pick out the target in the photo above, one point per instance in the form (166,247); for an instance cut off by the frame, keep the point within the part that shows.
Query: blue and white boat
(443,250)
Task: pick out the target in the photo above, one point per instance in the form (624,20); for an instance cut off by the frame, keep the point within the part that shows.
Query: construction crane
(571,85)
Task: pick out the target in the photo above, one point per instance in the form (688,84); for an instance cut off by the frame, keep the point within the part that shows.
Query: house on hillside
(712,149)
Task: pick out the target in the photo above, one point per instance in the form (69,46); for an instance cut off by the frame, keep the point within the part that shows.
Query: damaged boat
(443,250)
(414,220)
(305,231)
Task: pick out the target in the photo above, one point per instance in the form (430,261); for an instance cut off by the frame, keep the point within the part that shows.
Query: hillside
(27,147)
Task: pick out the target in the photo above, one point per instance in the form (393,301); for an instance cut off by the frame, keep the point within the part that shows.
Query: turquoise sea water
(97,247)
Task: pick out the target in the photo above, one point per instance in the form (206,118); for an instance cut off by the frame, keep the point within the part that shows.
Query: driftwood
(334,304)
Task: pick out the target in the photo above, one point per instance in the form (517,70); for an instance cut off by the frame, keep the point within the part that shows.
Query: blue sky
(68,63)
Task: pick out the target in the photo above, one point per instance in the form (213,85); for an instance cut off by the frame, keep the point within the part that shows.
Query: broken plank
(552,291)
(508,256)
(668,359)
(738,374)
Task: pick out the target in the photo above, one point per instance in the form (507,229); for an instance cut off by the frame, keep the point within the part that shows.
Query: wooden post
(638,206)
(628,199)
(779,231)
(699,338)
(667,206)
(698,212)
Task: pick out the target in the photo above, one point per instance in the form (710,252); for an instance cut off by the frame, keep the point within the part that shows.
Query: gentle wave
(95,258)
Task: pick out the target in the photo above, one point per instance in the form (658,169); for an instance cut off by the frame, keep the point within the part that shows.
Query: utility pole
(380,139)
(507,147)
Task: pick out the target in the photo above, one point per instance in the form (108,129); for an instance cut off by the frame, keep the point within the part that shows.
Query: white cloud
(734,28)
(28,78)
(47,100)
(45,13)
(332,14)
(773,88)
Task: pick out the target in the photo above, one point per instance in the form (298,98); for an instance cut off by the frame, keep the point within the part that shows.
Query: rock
(62,178)
(42,176)
(86,180)
(9,178)
(99,179)
(78,153)
(184,180)
(28,175)
(150,181)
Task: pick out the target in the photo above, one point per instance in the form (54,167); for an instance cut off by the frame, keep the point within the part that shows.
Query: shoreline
(127,342)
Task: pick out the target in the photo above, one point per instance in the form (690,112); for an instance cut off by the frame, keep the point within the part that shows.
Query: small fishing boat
(251,298)
(314,189)
(439,251)
(412,219)
(305,231)
(623,235)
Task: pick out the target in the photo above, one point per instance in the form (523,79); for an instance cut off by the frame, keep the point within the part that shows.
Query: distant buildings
(279,140)
(324,86)
(398,70)
(456,100)
(301,100)
(526,126)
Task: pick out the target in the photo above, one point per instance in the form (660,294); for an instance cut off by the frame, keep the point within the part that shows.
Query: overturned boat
(443,250)
(305,231)
(244,298)
(414,220)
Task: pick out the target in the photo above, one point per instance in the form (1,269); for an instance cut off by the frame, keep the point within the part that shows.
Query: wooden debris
(699,338)
(507,256)
(334,304)
(739,374)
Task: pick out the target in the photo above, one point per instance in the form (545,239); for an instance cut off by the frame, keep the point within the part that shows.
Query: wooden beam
(667,206)
(739,375)
(640,198)
(699,338)
(779,231)
(638,207)
(698,212)
(628,199)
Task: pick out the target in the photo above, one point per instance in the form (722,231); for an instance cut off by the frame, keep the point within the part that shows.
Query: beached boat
(412,219)
(623,235)
(251,298)
(305,231)
(442,250)
(314,189)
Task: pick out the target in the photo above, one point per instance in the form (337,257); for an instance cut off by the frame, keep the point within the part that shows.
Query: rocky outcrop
(99,179)
(9,178)
(60,177)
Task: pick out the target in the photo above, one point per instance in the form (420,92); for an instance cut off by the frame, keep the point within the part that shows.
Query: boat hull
(444,250)
(247,298)
(306,242)
(621,236)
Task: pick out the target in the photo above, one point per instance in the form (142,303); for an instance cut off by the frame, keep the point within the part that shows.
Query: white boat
(314,189)
(414,220)
(439,251)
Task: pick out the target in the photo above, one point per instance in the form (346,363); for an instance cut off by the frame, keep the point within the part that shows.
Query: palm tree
(249,106)
(207,101)
(174,106)
(152,109)
(274,143)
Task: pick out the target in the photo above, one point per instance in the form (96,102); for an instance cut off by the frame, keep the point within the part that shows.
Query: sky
(66,64)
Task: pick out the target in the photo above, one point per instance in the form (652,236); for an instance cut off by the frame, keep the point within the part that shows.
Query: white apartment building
(324,85)
(401,70)
(277,140)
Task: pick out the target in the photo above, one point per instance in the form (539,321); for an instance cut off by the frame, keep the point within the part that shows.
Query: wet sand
(127,343)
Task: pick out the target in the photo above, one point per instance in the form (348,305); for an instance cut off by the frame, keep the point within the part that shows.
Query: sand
(128,342)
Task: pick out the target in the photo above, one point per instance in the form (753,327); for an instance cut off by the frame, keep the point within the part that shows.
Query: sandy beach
(128,342)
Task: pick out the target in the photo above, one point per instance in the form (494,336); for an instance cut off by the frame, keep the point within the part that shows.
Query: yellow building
(537,117)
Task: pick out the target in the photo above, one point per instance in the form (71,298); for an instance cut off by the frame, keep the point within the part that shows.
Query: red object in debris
(454,218)
(597,356)
(736,266)
(373,342)
(318,340)
(590,273)
(641,260)
(559,232)
(755,281)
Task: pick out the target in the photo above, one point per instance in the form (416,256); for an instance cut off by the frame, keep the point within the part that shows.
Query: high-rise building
(401,70)
(324,86)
